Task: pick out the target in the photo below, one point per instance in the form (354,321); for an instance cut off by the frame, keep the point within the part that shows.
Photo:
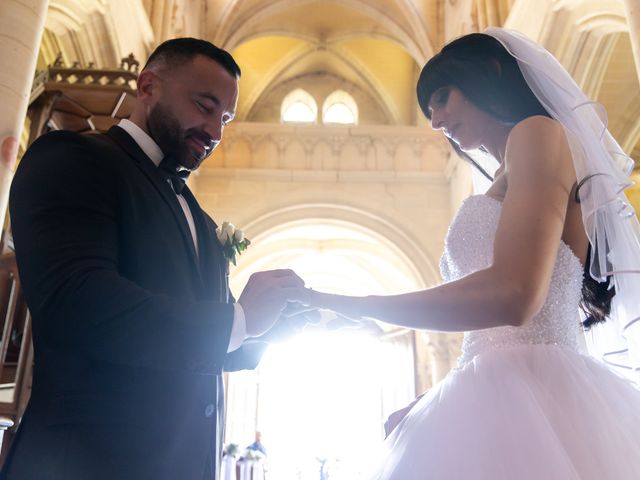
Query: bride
(553,233)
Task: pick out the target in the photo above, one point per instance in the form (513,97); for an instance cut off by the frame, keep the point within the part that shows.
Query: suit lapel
(149,169)
(213,265)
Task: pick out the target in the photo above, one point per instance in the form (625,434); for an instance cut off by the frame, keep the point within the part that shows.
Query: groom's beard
(166,131)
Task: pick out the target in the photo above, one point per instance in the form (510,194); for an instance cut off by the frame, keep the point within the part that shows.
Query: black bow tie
(178,178)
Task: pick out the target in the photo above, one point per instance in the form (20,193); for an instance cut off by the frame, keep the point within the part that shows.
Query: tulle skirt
(527,412)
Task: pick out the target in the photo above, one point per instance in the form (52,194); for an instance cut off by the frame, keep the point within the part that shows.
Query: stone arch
(396,241)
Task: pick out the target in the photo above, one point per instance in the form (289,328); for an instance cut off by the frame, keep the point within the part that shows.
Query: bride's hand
(292,320)
(344,309)
(342,321)
(309,313)
(300,314)
(344,305)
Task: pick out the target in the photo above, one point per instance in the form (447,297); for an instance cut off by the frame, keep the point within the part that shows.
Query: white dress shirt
(153,151)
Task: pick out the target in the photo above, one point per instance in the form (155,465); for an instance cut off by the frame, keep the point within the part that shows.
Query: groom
(133,322)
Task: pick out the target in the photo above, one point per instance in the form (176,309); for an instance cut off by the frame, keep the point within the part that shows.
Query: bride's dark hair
(490,78)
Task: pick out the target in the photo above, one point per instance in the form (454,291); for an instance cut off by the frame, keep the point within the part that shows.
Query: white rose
(238,235)
(228,231)
(222,235)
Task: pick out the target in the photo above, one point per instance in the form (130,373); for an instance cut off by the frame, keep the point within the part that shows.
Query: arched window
(340,107)
(299,106)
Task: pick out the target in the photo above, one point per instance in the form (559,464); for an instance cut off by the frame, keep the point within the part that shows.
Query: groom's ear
(148,84)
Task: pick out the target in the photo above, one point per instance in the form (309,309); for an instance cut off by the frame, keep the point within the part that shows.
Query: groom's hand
(292,320)
(339,321)
(265,297)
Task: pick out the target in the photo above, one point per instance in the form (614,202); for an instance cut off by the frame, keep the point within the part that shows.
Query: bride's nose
(437,120)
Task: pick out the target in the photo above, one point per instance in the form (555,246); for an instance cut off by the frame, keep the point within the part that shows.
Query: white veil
(609,219)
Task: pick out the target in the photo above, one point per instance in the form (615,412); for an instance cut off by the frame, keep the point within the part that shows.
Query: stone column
(444,349)
(21,24)
(458,18)
(632,9)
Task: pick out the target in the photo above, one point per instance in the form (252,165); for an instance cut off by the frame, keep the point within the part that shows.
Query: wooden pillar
(21,24)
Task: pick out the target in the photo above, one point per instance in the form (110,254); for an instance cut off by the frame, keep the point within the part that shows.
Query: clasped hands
(277,305)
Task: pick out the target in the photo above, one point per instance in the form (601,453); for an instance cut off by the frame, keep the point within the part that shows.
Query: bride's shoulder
(539,144)
(538,129)
(538,135)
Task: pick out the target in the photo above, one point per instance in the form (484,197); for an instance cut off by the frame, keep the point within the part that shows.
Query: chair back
(16,346)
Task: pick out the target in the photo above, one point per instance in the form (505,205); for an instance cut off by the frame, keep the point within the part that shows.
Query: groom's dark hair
(175,52)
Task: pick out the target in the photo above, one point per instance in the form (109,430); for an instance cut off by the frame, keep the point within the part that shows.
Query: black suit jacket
(130,326)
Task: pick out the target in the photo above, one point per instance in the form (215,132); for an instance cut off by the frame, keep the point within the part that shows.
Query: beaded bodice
(469,247)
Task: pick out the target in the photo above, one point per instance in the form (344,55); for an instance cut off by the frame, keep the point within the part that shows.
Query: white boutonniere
(232,240)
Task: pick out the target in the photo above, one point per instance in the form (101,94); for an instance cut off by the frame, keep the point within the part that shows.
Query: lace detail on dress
(469,247)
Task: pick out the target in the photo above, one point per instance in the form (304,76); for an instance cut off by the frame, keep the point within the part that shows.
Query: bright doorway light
(320,400)
(322,397)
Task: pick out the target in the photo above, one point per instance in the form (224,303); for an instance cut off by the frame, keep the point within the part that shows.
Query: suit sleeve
(64,211)
(246,357)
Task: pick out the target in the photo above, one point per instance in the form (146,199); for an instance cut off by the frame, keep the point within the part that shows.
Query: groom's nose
(213,128)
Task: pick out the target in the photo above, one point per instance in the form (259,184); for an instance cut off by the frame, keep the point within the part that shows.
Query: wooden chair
(16,348)
(5,424)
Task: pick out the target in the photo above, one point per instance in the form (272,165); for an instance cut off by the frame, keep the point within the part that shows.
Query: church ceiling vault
(374,46)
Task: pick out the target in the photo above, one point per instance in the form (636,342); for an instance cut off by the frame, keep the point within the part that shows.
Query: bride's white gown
(523,403)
